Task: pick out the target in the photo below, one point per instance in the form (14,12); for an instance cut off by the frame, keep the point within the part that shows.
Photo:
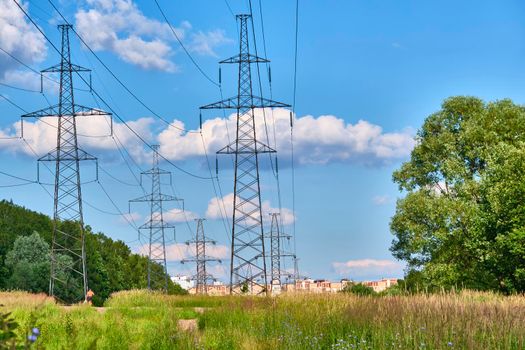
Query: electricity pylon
(157,270)
(277,253)
(248,266)
(68,279)
(200,258)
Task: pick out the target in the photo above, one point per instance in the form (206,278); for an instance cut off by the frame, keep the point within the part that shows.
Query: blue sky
(369,72)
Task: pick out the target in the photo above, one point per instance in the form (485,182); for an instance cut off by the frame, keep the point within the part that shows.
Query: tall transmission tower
(156,226)
(200,258)
(248,265)
(277,253)
(68,279)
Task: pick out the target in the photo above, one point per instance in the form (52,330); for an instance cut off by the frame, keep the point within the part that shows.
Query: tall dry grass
(138,319)
(20,299)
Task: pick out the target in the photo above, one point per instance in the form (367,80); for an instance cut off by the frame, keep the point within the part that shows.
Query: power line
(18,88)
(12,103)
(184,47)
(33,70)
(19,61)
(276,170)
(18,177)
(229,8)
(100,97)
(116,78)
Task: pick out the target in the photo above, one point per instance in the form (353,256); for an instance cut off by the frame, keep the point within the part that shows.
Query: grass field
(142,320)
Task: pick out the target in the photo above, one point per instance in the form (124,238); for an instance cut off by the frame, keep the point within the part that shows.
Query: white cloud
(120,26)
(218,271)
(322,140)
(381,200)
(368,268)
(41,136)
(205,43)
(180,251)
(129,217)
(179,215)
(145,54)
(18,37)
(216,206)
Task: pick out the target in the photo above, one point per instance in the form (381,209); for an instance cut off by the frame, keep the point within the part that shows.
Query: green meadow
(143,320)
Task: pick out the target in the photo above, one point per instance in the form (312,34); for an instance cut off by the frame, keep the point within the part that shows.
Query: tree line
(25,240)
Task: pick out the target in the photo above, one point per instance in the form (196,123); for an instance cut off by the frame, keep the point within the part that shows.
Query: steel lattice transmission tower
(68,280)
(201,259)
(156,226)
(277,253)
(248,266)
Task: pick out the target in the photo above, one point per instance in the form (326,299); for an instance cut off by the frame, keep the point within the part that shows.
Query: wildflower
(35,331)
(450,344)
(32,338)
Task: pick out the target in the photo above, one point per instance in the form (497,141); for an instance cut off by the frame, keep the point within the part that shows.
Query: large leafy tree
(28,263)
(462,221)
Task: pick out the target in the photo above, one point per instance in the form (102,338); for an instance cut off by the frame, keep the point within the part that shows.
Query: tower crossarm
(79,155)
(246,148)
(245,103)
(53,111)
(154,224)
(244,57)
(57,68)
(158,197)
(157,171)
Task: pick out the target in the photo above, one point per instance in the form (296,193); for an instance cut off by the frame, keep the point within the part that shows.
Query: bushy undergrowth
(142,320)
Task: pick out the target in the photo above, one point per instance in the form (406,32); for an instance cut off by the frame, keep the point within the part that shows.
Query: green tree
(358,289)
(461,223)
(111,266)
(28,262)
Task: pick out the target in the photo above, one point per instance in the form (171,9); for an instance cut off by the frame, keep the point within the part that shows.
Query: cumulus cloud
(216,206)
(126,218)
(120,26)
(319,141)
(18,37)
(180,251)
(41,135)
(179,215)
(205,43)
(218,271)
(368,268)
(322,140)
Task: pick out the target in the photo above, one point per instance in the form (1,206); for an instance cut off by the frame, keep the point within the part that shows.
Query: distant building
(309,285)
(184,281)
(381,285)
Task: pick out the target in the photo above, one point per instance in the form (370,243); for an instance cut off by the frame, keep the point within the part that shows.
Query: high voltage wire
(229,8)
(202,138)
(274,171)
(95,93)
(113,74)
(12,103)
(18,177)
(100,97)
(33,70)
(18,88)
(133,131)
(184,47)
